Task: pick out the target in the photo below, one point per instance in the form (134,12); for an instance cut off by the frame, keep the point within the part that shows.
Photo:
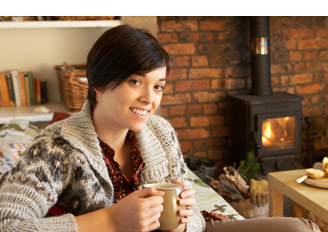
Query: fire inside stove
(279,133)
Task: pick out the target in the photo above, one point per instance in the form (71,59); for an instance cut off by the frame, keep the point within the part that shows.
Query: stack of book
(21,89)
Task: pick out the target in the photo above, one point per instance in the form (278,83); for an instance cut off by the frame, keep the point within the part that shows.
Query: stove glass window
(279,133)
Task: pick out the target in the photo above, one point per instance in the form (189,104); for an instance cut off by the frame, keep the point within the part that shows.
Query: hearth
(264,122)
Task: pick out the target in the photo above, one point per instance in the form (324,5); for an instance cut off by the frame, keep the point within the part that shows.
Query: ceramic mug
(169,218)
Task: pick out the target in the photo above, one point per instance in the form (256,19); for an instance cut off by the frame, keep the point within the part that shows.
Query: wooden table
(284,183)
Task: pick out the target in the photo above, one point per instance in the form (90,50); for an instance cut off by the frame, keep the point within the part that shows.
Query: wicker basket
(249,210)
(73,85)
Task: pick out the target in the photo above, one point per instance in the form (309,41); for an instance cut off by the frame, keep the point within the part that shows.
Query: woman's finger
(187,193)
(187,202)
(185,212)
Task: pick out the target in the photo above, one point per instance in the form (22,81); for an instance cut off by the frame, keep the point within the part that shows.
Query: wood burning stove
(268,126)
(265,123)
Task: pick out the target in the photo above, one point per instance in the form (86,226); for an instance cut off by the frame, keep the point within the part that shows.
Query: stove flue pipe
(260,56)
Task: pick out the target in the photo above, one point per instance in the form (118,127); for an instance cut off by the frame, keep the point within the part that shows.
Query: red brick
(290,44)
(301,78)
(177,73)
(311,111)
(292,33)
(216,61)
(284,80)
(326,76)
(226,35)
(295,55)
(274,81)
(190,36)
(178,110)
(193,133)
(206,37)
(200,154)
(211,108)
(177,26)
(237,72)
(234,83)
(180,49)
(315,99)
(279,22)
(309,55)
(277,68)
(299,67)
(317,66)
(312,44)
(179,122)
(205,72)
(195,108)
(185,146)
(168,88)
(217,84)
(182,86)
(323,55)
(208,96)
(209,25)
(164,111)
(202,121)
(309,89)
(176,99)
(199,61)
(167,37)
(322,32)
(182,61)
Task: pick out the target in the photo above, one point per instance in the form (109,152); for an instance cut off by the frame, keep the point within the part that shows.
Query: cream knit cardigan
(64,164)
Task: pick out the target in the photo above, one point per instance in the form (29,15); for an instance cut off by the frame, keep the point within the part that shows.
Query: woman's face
(129,105)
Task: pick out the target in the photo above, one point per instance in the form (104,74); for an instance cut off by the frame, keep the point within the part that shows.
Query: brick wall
(210,58)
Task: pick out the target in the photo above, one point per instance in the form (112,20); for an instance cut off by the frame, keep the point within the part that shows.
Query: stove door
(278,134)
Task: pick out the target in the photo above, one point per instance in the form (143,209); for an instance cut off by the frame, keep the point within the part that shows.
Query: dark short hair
(119,53)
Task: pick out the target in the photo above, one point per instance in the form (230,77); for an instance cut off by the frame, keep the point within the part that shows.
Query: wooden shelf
(60,24)
(26,113)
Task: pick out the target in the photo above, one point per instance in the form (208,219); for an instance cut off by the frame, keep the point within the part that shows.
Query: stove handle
(257,141)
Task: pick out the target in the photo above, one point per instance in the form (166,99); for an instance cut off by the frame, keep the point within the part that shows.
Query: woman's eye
(159,87)
(135,82)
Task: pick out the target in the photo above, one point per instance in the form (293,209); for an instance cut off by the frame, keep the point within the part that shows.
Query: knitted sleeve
(176,166)
(32,187)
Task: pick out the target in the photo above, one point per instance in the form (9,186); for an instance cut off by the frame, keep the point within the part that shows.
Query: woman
(86,171)
(90,166)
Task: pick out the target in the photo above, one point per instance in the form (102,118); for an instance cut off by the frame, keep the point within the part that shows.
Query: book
(44,92)
(31,87)
(16,84)
(1,103)
(27,90)
(4,90)
(10,89)
(22,88)
(37,90)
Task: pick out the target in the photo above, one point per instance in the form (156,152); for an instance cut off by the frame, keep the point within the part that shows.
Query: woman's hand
(186,199)
(137,212)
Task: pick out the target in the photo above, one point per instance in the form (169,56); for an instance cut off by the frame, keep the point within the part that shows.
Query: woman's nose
(148,95)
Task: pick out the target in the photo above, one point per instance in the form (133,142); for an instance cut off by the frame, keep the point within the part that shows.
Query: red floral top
(123,186)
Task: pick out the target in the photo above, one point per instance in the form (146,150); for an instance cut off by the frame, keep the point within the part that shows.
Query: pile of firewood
(230,185)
